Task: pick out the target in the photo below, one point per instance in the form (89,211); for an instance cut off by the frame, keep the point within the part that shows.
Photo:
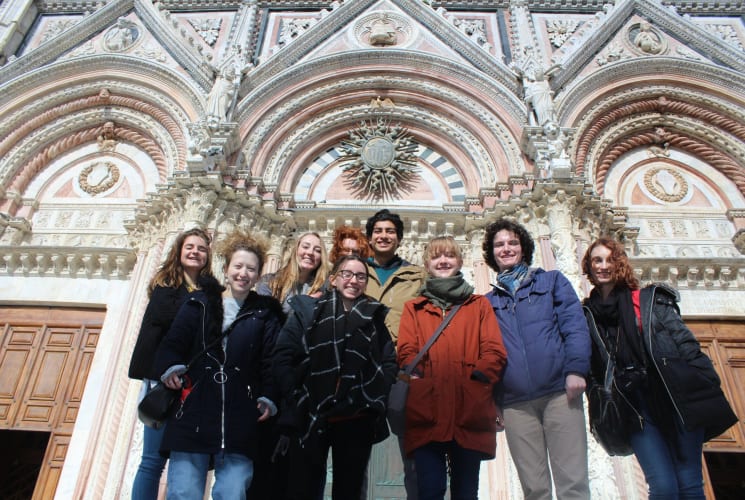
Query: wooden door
(44,361)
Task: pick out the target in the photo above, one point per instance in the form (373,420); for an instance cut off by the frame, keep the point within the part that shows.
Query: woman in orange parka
(451,418)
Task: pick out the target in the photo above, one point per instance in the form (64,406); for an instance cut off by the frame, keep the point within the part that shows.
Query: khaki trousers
(549,430)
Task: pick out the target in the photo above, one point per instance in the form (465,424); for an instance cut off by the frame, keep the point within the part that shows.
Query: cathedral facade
(124,122)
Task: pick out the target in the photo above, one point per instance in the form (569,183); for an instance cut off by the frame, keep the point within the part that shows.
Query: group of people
(300,362)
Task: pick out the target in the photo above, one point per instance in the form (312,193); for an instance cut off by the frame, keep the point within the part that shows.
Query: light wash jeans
(187,475)
(147,479)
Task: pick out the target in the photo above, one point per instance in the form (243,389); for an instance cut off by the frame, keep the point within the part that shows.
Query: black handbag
(396,411)
(159,402)
(608,416)
(157,405)
(608,410)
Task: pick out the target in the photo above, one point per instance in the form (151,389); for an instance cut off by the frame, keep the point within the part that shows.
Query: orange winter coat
(452,398)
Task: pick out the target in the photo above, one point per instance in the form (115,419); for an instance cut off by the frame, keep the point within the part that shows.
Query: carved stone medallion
(98,177)
(666,184)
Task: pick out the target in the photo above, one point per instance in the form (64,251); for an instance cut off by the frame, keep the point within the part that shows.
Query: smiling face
(194,254)
(384,239)
(601,267)
(309,254)
(443,265)
(242,273)
(350,280)
(507,250)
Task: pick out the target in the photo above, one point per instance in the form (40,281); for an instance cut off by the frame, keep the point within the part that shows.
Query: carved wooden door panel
(44,361)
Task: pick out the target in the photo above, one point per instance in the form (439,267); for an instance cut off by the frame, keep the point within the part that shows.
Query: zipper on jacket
(664,360)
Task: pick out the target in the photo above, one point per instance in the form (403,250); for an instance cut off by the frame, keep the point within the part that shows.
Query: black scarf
(345,375)
(617,320)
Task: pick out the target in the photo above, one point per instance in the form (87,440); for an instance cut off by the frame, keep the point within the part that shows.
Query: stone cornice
(54,47)
(67,262)
(703,274)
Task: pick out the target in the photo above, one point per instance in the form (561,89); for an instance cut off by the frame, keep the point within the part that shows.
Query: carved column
(559,217)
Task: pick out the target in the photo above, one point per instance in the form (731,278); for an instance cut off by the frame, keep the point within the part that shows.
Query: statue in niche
(121,36)
(538,95)
(220,98)
(540,99)
(382,31)
(647,40)
(107,140)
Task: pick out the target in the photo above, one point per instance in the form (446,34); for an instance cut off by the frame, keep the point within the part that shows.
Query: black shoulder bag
(608,411)
(159,402)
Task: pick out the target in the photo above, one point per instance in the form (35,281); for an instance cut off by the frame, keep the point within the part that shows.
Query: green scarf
(444,292)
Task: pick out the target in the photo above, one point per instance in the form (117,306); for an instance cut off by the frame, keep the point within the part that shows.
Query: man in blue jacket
(548,357)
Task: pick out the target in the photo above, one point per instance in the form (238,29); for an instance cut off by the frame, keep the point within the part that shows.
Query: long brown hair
(171,272)
(622,273)
(289,275)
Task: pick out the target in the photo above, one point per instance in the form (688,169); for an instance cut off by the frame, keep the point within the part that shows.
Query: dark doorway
(20,462)
(727,475)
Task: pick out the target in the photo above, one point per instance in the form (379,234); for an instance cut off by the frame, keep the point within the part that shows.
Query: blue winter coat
(545,334)
(218,417)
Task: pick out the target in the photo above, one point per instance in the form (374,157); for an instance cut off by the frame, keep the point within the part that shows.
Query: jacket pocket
(478,411)
(421,403)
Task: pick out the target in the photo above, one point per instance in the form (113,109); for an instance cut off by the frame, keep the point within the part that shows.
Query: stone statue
(121,36)
(107,140)
(540,98)
(382,31)
(220,98)
(647,40)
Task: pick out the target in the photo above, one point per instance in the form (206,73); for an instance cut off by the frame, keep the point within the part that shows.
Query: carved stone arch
(590,96)
(709,114)
(490,113)
(732,169)
(23,165)
(298,146)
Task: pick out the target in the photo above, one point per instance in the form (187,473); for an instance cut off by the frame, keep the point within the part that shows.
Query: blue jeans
(672,470)
(431,471)
(187,475)
(147,479)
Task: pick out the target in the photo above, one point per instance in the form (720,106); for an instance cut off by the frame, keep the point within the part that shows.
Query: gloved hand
(283,444)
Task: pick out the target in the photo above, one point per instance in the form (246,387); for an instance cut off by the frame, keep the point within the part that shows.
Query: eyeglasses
(346,275)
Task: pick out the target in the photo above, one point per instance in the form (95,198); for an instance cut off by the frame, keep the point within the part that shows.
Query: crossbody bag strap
(210,346)
(410,369)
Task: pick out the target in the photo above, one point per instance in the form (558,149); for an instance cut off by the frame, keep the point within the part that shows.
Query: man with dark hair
(392,281)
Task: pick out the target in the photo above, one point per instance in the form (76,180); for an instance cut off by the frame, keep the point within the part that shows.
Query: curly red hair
(622,273)
(342,233)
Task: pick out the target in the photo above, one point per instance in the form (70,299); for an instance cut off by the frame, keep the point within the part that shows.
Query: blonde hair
(288,275)
(440,245)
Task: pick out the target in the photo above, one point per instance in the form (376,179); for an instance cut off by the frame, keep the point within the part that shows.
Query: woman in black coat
(187,260)
(227,390)
(666,385)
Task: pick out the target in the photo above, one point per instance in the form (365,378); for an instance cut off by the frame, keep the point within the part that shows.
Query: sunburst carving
(380,161)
